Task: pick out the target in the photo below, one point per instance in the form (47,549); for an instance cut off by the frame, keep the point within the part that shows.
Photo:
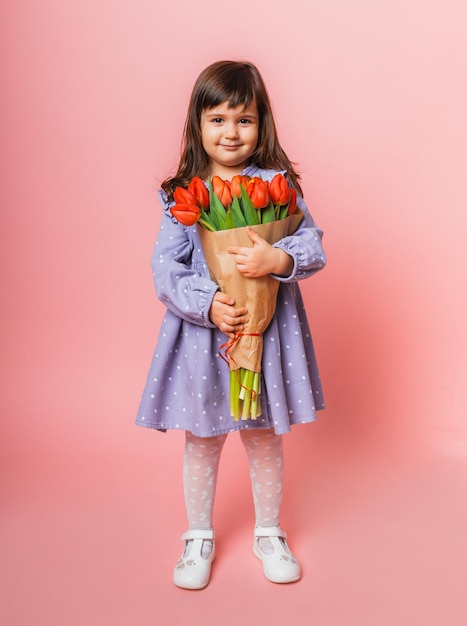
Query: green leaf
(207,225)
(206,221)
(237,214)
(268,214)
(249,211)
(217,210)
(229,221)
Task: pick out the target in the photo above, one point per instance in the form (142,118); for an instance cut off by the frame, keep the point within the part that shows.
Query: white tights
(266,467)
(200,469)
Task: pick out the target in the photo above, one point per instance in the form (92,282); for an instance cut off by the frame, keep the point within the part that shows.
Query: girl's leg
(266,466)
(200,467)
(265,460)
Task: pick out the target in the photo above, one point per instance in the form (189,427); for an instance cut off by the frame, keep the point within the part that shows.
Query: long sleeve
(182,282)
(304,246)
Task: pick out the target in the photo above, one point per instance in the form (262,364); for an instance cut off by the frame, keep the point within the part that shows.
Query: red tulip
(257,189)
(292,202)
(186,214)
(279,190)
(199,190)
(222,190)
(236,182)
(183,196)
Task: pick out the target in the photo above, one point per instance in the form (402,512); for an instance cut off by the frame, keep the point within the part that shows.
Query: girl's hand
(261,259)
(225,316)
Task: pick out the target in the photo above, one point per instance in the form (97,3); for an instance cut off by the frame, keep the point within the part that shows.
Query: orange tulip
(186,214)
(257,189)
(279,190)
(292,202)
(199,190)
(183,196)
(222,190)
(236,182)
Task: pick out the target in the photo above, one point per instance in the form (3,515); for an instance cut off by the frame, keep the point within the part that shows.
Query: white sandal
(281,566)
(193,570)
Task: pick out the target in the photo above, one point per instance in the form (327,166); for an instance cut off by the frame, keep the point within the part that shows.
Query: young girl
(230,130)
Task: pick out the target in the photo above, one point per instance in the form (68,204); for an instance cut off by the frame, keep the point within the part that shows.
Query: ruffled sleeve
(182,285)
(304,246)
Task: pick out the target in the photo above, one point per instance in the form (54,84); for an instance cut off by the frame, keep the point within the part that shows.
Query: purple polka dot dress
(188,382)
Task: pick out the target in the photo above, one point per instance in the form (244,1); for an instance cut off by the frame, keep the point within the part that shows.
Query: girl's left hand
(261,259)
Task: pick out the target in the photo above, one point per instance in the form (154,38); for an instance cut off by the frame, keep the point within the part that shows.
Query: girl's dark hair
(236,83)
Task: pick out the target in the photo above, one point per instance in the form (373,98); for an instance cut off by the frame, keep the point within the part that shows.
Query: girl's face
(229,137)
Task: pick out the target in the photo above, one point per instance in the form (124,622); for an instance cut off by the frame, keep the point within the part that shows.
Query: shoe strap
(270,531)
(207,533)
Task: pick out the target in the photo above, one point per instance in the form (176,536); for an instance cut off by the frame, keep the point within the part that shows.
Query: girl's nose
(231,130)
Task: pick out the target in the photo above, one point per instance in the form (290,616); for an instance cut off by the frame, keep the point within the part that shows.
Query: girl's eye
(245,121)
(217,120)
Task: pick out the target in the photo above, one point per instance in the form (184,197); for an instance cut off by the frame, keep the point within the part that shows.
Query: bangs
(237,89)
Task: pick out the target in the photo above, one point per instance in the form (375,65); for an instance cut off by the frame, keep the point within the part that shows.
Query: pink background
(370,100)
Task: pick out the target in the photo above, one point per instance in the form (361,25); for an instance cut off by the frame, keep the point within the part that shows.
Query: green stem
(234,393)
(255,400)
(242,377)
(248,392)
(246,406)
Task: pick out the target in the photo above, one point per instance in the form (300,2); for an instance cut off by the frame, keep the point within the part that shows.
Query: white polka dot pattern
(188,383)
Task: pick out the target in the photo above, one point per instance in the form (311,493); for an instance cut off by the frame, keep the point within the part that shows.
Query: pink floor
(370,99)
(91,539)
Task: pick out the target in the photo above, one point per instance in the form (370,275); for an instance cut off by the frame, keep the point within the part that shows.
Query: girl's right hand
(225,316)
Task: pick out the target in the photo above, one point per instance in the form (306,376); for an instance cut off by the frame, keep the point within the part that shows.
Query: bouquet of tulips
(222,210)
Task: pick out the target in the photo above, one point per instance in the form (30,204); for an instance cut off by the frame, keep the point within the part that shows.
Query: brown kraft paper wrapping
(258,295)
